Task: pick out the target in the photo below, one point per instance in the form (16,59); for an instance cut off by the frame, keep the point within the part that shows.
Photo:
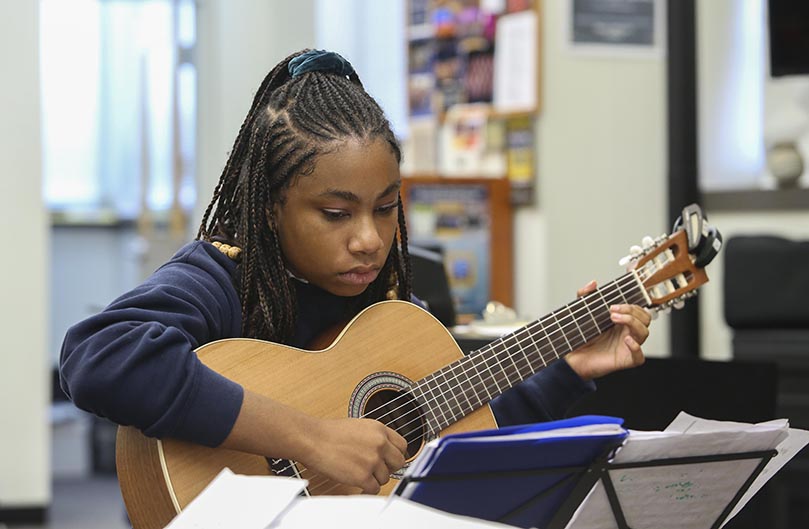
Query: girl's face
(337,225)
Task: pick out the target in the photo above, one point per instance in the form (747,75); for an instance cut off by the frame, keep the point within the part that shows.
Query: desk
(476,335)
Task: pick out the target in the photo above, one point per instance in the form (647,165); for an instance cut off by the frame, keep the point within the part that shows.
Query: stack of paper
(232,500)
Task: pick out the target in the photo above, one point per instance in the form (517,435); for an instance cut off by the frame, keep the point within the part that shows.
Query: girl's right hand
(357,452)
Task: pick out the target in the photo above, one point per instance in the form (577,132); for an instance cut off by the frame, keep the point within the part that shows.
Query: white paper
(405,514)
(372,512)
(515,62)
(234,500)
(357,512)
(574,431)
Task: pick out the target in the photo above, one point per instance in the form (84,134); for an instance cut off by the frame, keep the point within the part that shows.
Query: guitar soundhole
(400,412)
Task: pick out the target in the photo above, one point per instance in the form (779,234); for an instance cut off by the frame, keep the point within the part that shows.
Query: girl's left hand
(618,348)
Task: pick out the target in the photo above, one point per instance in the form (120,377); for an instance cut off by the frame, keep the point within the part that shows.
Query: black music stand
(600,471)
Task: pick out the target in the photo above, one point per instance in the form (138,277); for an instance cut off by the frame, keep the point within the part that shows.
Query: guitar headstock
(672,267)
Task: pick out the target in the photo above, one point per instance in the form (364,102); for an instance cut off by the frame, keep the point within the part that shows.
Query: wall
(24,369)
(89,267)
(601,154)
(239,41)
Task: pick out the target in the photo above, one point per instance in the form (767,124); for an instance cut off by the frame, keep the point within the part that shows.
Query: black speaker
(431,284)
(788,25)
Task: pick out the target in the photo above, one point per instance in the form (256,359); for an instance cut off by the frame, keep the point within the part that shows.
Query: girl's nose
(366,238)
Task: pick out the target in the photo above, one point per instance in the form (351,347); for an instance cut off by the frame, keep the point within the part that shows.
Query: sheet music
(233,500)
(692,494)
(787,449)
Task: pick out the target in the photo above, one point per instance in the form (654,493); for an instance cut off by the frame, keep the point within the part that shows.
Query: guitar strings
(552,339)
(518,362)
(614,294)
(545,356)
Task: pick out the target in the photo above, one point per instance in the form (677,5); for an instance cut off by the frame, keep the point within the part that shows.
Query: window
(732,78)
(118,105)
(371,35)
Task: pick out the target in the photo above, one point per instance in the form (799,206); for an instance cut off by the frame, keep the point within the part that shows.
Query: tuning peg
(634,252)
(648,242)
(678,304)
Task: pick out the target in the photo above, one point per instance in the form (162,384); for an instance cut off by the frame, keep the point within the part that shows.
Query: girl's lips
(360,276)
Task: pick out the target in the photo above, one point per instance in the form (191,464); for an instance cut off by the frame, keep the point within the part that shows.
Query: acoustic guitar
(396,363)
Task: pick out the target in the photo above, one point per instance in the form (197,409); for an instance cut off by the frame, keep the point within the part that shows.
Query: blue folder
(506,478)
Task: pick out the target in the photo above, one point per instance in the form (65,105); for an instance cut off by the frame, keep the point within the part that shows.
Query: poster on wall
(455,220)
(615,27)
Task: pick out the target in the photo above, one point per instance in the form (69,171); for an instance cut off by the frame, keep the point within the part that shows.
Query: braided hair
(294,119)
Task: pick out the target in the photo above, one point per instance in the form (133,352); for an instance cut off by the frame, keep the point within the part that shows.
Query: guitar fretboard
(452,392)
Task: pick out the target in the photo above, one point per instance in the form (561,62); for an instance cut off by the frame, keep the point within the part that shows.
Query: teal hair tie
(320,61)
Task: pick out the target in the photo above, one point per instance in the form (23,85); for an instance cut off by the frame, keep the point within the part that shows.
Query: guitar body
(387,344)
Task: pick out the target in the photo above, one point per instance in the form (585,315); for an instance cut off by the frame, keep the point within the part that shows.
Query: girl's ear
(275,210)
(275,215)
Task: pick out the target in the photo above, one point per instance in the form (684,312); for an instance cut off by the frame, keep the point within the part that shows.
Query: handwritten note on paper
(694,494)
(787,449)
(233,500)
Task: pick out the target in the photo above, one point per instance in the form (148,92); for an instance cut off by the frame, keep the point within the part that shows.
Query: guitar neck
(467,384)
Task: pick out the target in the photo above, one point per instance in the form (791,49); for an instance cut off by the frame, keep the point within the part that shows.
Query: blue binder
(505,475)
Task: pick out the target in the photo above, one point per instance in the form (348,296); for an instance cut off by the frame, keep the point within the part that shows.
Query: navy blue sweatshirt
(134,362)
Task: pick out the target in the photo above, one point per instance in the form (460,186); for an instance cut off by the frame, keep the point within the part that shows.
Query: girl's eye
(385,210)
(334,214)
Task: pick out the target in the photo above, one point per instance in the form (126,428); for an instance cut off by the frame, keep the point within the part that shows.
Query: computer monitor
(431,284)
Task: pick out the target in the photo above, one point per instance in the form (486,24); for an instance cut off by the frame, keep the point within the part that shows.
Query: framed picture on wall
(469,222)
(607,27)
